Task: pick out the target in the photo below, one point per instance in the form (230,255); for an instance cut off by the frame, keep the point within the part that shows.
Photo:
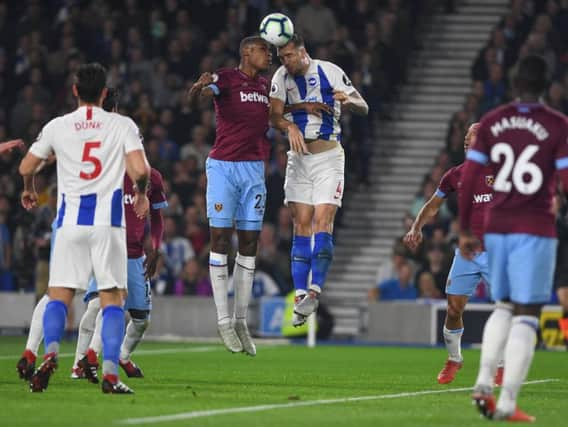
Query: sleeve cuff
(562,163)
(439,193)
(160,205)
(215,89)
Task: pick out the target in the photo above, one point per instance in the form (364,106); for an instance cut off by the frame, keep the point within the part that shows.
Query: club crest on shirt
(218,207)
(312,81)
(489,180)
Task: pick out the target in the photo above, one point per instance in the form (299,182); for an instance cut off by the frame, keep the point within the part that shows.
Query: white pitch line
(259,408)
(142,352)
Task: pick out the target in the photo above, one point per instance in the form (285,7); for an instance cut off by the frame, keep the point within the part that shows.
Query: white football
(276,29)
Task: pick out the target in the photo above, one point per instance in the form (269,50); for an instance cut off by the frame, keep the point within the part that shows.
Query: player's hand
(204,80)
(317,108)
(29,199)
(413,238)
(151,263)
(469,245)
(141,205)
(340,96)
(297,143)
(10,145)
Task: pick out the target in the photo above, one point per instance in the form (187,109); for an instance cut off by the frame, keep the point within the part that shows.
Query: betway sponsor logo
(129,199)
(253,97)
(482,198)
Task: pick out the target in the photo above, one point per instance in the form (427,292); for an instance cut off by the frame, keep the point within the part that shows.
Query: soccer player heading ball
(306,98)
(236,193)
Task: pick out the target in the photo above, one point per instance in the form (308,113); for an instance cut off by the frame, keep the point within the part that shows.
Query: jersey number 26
(521,168)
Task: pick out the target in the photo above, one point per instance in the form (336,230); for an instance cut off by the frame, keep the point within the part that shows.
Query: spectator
(399,288)
(316,23)
(193,280)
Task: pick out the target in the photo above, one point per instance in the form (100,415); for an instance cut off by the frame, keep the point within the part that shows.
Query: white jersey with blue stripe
(91,146)
(316,85)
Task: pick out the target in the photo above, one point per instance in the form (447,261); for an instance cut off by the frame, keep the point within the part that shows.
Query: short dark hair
(90,81)
(532,75)
(248,41)
(110,102)
(296,40)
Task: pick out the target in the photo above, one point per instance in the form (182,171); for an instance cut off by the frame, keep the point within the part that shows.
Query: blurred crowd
(154,51)
(530,27)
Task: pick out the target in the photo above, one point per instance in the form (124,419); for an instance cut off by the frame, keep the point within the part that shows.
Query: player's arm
(9,145)
(430,209)
(202,88)
(278,121)
(315,108)
(353,101)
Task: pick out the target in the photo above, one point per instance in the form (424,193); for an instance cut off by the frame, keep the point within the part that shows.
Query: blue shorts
(235,193)
(139,293)
(521,267)
(465,275)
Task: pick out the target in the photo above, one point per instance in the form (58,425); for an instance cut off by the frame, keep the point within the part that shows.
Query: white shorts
(315,179)
(82,251)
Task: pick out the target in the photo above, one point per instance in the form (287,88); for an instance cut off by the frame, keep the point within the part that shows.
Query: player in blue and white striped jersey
(306,99)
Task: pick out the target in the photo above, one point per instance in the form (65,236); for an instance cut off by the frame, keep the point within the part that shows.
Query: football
(276,29)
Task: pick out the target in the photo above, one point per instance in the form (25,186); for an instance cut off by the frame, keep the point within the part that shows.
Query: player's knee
(455,310)
(323,225)
(220,244)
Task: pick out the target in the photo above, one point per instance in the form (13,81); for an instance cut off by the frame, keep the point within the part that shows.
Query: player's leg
(221,207)
(86,328)
(496,329)
(326,172)
(108,251)
(463,278)
(139,305)
(249,216)
(301,254)
(26,364)
(531,289)
(64,278)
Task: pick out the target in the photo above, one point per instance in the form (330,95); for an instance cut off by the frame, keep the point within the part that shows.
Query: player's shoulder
(280,73)
(224,73)
(155,176)
(453,172)
(328,67)
(556,115)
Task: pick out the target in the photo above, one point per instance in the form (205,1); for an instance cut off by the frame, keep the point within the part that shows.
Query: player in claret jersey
(525,144)
(236,192)
(465,274)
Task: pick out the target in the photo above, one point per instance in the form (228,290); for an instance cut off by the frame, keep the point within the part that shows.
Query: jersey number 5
(521,167)
(88,157)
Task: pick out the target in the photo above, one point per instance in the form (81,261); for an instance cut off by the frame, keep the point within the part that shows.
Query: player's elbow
(28,165)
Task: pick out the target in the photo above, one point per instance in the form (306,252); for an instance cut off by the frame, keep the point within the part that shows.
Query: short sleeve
(157,194)
(446,184)
(277,86)
(132,136)
(221,82)
(339,79)
(43,145)
(562,147)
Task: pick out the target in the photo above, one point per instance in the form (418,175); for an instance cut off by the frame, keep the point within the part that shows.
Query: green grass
(188,380)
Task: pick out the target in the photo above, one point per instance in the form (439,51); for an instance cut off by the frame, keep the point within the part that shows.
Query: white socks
(452,338)
(87,328)
(134,333)
(243,276)
(36,326)
(519,353)
(97,340)
(495,335)
(219,273)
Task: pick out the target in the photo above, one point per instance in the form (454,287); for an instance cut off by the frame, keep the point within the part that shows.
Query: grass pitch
(282,386)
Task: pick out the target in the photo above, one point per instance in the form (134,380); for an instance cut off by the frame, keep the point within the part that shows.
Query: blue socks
(301,262)
(321,259)
(112,334)
(54,325)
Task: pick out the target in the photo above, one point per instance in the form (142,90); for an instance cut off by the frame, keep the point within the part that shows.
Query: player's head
(255,52)
(470,137)
(110,102)
(90,83)
(293,55)
(531,76)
